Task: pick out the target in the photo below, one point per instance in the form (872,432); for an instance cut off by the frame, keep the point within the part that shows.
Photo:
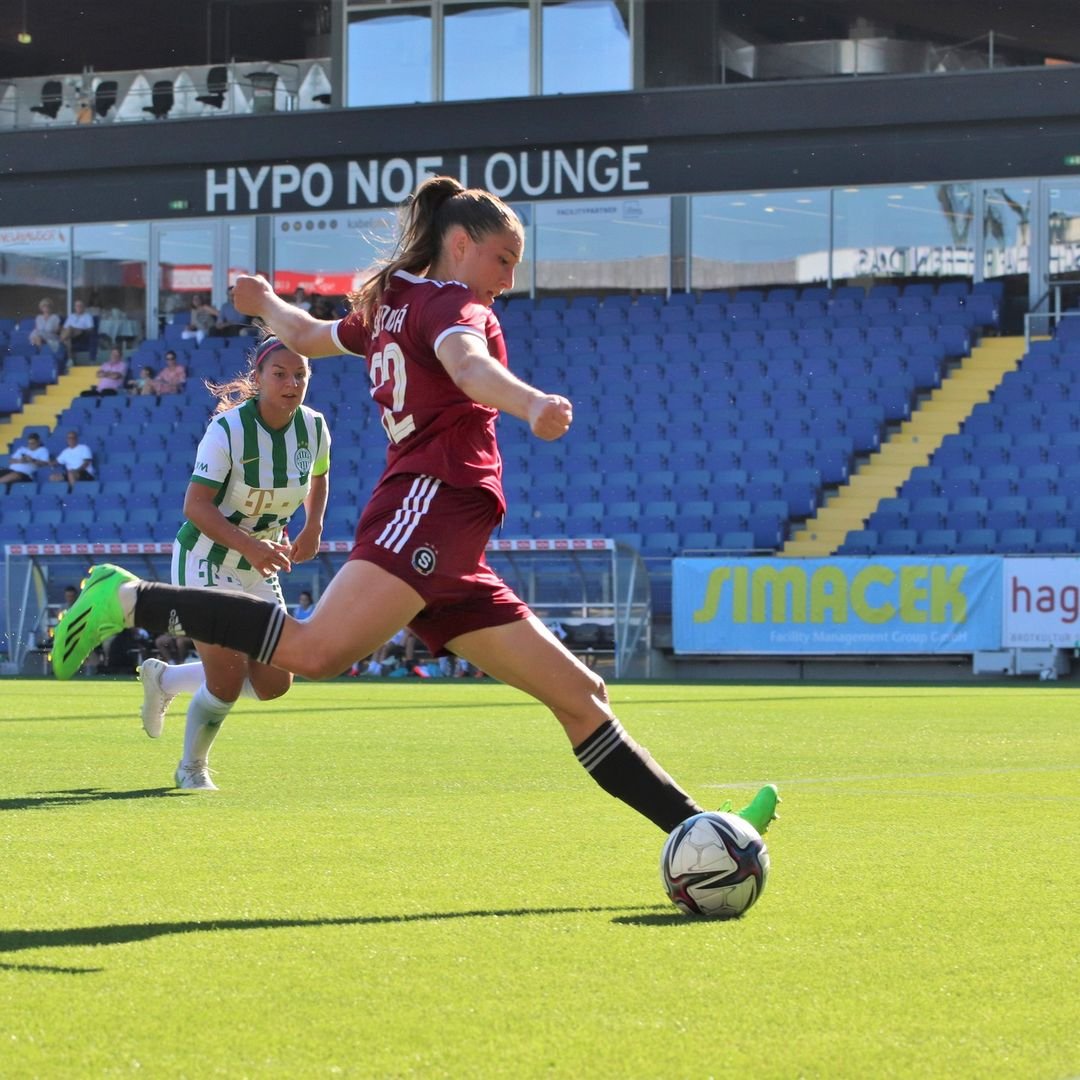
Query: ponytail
(437,205)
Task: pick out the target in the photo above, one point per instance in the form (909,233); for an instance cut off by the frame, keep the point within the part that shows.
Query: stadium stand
(777,400)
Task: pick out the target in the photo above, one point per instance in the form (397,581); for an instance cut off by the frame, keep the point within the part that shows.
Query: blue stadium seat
(937,541)
(859,542)
(897,541)
(925,520)
(1016,541)
(664,544)
(962,520)
(699,540)
(976,542)
(736,540)
(884,520)
(12,533)
(1059,539)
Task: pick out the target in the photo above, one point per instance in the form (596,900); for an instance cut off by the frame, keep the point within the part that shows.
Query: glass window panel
(241,247)
(603,245)
(33,266)
(1007,223)
(586,47)
(757,238)
(479,30)
(389,57)
(330,255)
(110,276)
(1064,213)
(185,267)
(918,230)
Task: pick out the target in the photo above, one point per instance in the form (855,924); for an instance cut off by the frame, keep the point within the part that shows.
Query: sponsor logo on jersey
(423,560)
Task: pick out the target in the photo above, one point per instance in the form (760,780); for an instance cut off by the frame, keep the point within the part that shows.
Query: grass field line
(937,774)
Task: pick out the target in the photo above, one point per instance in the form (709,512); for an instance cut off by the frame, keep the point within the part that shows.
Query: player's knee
(583,704)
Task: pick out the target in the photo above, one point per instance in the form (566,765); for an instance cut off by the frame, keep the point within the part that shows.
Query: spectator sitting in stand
(79,331)
(143,383)
(203,319)
(112,375)
(171,378)
(25,460)
(304,606)
(231,322)
(46,327)
(126,651)
(300,299)
(75,462)
(400,649)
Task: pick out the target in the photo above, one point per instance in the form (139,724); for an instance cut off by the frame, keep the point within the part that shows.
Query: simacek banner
(1040,601)
(836,606)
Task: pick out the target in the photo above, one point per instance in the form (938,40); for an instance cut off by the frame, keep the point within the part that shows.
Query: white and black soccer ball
(714,865)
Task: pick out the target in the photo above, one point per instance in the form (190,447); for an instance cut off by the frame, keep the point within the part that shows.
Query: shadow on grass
(48,800)
(667,917)
(12,941)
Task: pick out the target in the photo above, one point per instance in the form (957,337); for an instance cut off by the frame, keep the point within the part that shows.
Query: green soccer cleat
(760,811)
(95,615)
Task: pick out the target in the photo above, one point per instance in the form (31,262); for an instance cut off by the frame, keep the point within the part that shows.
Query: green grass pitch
(419,881)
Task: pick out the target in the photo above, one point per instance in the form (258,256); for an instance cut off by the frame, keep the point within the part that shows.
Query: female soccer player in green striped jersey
(264,454)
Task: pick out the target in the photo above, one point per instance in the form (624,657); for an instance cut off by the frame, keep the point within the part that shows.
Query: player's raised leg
(341,630)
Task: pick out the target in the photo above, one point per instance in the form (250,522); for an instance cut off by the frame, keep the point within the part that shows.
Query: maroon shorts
(433,537)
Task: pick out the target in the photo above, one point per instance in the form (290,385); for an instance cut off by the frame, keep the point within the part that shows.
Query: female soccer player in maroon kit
(439,376)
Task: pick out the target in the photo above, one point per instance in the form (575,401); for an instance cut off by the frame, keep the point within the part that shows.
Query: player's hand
(269,557)
(306,545)
(550,417)
(251,292)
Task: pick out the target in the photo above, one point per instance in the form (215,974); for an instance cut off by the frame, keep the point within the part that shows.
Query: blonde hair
(437,205)
(244,386)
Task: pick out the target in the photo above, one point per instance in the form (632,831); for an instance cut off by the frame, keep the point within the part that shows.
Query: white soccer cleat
(194,776)
(155,700)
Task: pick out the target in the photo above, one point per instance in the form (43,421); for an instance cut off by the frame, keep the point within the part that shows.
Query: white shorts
(190,569)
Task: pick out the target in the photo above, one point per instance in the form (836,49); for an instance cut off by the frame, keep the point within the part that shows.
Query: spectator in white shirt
(25,460)
(75,461)
(78,330)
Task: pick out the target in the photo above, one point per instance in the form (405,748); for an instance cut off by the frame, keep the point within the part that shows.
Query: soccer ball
(714,865)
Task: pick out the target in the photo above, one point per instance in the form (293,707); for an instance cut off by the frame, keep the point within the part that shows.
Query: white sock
(204,717)
(247,690)
(182,678)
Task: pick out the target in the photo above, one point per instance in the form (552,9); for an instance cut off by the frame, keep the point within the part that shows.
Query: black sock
(213,616)
(627,771)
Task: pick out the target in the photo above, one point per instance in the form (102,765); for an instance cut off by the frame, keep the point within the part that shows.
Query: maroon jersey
(434,429)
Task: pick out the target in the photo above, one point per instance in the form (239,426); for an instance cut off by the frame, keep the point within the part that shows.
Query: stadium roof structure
(69,35)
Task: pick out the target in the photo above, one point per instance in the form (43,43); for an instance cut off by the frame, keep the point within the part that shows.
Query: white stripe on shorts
(414,506)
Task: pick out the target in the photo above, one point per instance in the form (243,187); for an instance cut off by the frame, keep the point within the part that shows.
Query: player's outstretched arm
(300,331)
(487,382)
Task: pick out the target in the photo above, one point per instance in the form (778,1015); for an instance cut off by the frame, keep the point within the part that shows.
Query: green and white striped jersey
(261,476)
